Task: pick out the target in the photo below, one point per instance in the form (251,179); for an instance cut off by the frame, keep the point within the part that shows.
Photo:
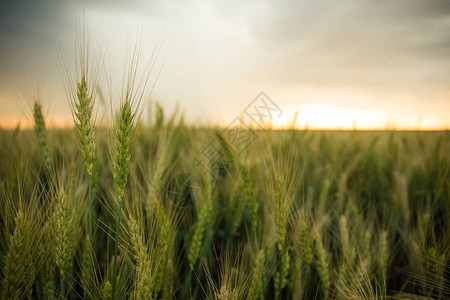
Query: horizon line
(255,128)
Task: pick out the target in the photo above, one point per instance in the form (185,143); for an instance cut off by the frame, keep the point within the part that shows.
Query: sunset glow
(326,117)
(340,65)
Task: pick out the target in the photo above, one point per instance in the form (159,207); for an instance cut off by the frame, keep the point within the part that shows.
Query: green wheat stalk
(41,133)
(203,220)
(122,142)
(257,285)
(86,133)
(145,270)
(65,236)
(18,267)
(322,264)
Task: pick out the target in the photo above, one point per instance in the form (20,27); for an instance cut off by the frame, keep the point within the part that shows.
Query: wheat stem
(116,249)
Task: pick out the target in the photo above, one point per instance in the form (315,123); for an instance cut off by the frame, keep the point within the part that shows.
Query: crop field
(127,207)
(285,215)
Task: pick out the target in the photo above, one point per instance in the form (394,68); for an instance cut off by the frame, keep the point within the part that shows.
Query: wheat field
(133,208)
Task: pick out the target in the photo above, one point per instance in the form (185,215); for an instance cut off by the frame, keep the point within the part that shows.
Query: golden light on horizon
(323,116)
(312,116)
(52,121)
(327,117)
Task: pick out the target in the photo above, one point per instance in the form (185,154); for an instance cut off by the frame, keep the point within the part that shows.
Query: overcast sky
(339,63)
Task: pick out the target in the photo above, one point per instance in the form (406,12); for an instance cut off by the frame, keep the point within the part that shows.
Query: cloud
(385,43)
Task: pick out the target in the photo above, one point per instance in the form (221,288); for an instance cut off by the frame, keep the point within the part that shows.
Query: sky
(326,64)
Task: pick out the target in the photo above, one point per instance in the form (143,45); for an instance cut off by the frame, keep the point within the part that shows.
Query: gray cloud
(391,43)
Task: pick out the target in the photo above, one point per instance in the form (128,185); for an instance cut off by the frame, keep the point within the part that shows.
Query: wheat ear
(46,251)
(18,267)
(322,263)
(382,258)
(41,133)
(83,121)
(257,287)
(122,143)
(282,211)
(64,226)
(106,291)
(145,273)
(306,245)
(200,226)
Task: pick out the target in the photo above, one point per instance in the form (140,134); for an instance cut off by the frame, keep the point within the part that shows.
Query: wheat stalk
(47,256)
(169,280)
(281,219)
(203,220)
(305,244)
(382,258)
(18,270)
(249,194)
(65,239)
(145,272)
(84,124)
(41,133)
(106,291)
(122,142)
(257,285)
(162,251)
(86,133)
(322,262)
